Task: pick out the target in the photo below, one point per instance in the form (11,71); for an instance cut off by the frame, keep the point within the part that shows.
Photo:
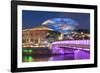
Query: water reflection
(76,54)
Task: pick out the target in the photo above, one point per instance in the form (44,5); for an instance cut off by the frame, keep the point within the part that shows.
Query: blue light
(59,24)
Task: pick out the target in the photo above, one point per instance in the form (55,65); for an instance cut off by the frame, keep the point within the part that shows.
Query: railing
(83,42)
(60,46)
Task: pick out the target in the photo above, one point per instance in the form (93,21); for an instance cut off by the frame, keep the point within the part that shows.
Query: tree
(52,36)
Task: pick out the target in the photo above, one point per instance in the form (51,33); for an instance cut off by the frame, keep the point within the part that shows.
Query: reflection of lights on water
(76,54)
(77,51)
(25,58)
(80,54)
(28,58)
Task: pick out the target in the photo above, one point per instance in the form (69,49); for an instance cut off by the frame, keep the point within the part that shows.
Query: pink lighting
(83,42)
(62,47)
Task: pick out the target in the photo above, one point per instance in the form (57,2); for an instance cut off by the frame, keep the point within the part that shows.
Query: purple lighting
(83,42)
(61,47)
(57,50)
(79,54)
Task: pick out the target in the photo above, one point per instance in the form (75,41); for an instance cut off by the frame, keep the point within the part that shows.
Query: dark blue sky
(32,19)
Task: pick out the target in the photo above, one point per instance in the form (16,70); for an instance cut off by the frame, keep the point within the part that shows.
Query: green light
(30,58)
(30,51)
(25,50)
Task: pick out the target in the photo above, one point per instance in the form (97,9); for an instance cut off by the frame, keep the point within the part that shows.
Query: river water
(70,55)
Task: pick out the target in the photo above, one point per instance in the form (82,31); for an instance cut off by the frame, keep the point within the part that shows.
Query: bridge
(69,46)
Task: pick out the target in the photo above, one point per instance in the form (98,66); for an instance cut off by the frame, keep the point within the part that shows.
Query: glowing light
(25,51)
(56,48)
(30,51)
(30,58)
(61,24)
(85,42)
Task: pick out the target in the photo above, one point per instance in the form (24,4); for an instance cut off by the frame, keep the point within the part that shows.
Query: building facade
(35,37)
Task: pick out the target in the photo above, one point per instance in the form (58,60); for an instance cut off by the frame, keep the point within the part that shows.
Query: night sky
(32,19)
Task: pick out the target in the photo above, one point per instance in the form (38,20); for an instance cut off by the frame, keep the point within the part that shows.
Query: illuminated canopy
(63,25)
